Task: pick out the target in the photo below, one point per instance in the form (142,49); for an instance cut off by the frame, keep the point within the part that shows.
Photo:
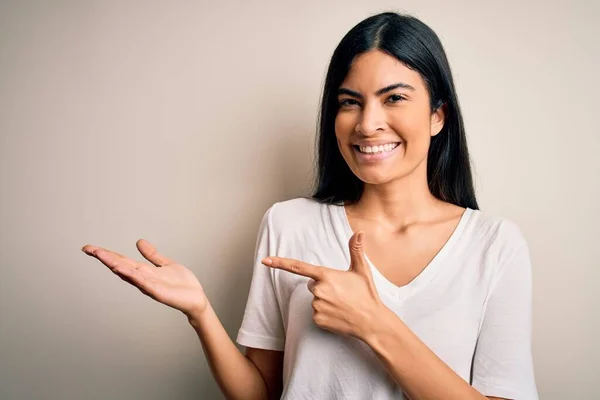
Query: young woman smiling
(388,282)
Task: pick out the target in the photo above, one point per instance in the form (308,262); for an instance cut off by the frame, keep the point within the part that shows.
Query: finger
(118,263)
(358,262)
(295,267)
(142,287)
(151,254)
(311,285)
(137,272)
(115,261)
(129,270)
(90,250)
(135,279)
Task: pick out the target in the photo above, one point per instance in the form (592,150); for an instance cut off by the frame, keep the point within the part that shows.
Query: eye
(395,98)
(348,102)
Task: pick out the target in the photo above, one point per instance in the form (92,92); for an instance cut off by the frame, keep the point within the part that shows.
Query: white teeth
(378,149)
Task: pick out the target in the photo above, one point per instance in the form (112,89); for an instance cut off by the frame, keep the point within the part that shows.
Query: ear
(438,117)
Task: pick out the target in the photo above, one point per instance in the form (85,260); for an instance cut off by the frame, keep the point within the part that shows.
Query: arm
(354,309)
(261,333)
(416,369)
(237,376)
(270,365)
(254,376)
(176,286)
(502,363)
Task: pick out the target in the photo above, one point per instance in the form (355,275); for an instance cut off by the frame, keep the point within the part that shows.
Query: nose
(372,119)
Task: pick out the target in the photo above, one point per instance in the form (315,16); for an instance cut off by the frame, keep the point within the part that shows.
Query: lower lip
(375,157)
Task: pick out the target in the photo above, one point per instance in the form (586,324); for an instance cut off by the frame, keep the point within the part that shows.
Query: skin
(397,219)
(405,224)
(396,211)
(254,376)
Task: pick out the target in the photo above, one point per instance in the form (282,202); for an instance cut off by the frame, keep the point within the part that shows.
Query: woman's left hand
(345,302)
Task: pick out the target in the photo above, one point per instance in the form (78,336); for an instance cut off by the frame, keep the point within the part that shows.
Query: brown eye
(348,102)
(395,98)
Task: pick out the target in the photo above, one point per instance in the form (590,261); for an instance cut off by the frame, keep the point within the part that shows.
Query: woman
(388,282)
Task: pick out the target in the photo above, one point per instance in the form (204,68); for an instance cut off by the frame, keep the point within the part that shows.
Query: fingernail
(359,237)
(267,261)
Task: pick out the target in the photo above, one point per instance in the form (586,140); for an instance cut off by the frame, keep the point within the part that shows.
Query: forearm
(236,375)
(416,369)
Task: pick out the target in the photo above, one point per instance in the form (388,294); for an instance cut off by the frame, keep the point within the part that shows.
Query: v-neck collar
(402,292)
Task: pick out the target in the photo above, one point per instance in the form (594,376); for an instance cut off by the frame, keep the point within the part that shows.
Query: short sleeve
(503,364)
(262,325)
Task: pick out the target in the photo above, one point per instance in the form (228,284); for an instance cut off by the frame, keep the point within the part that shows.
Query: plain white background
(181,122)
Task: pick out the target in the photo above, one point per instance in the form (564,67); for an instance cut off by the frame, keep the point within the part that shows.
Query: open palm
(165,281)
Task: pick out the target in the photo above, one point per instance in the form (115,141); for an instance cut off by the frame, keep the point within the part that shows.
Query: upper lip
(372,143)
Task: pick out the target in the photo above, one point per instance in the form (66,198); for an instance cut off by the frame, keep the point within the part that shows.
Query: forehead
(375,69)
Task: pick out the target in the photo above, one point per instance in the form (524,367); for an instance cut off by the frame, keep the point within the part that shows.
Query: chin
(380,175)
(373,178)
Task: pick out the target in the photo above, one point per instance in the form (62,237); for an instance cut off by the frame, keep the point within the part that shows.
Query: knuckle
(296,267)
(318,292)
(318,318)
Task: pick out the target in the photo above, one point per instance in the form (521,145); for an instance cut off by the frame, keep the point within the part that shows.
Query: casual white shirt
(471,305)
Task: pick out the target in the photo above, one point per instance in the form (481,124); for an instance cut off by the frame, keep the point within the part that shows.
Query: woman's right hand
(167,281)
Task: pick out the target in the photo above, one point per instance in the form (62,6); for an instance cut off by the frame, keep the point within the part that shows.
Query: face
(384,122)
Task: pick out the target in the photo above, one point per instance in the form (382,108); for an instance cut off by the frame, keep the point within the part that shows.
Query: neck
(401,202)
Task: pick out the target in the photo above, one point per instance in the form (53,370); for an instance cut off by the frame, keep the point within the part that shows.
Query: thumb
(151,254)
(358,262)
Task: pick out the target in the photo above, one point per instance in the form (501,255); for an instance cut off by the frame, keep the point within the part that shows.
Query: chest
(447,324)
(400,258)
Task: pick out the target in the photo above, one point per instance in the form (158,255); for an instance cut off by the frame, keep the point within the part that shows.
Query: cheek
(343,126)
(343,130)
(414,128)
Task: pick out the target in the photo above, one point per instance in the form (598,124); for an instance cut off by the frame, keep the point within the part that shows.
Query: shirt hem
(504,392)
(260,342)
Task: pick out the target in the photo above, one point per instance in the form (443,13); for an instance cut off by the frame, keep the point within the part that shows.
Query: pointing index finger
(295,267)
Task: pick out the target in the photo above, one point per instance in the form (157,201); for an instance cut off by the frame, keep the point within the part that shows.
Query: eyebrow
(377,93)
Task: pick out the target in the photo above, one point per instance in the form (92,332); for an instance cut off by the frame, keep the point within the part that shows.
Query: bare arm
(270,365)
(172,284)
(237,375)
(412,364)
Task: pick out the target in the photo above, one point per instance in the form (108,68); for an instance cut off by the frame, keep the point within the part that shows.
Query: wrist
(383,323)
(197,315)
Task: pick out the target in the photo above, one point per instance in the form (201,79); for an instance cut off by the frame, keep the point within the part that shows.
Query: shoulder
(497,234)
(295,214)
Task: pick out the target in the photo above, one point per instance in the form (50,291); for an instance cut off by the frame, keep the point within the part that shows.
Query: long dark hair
(419,48)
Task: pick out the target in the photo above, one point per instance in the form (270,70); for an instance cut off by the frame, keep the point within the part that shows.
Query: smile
(370,154)
(377,149)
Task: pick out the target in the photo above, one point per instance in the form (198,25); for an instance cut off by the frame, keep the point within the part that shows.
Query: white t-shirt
(471,305)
